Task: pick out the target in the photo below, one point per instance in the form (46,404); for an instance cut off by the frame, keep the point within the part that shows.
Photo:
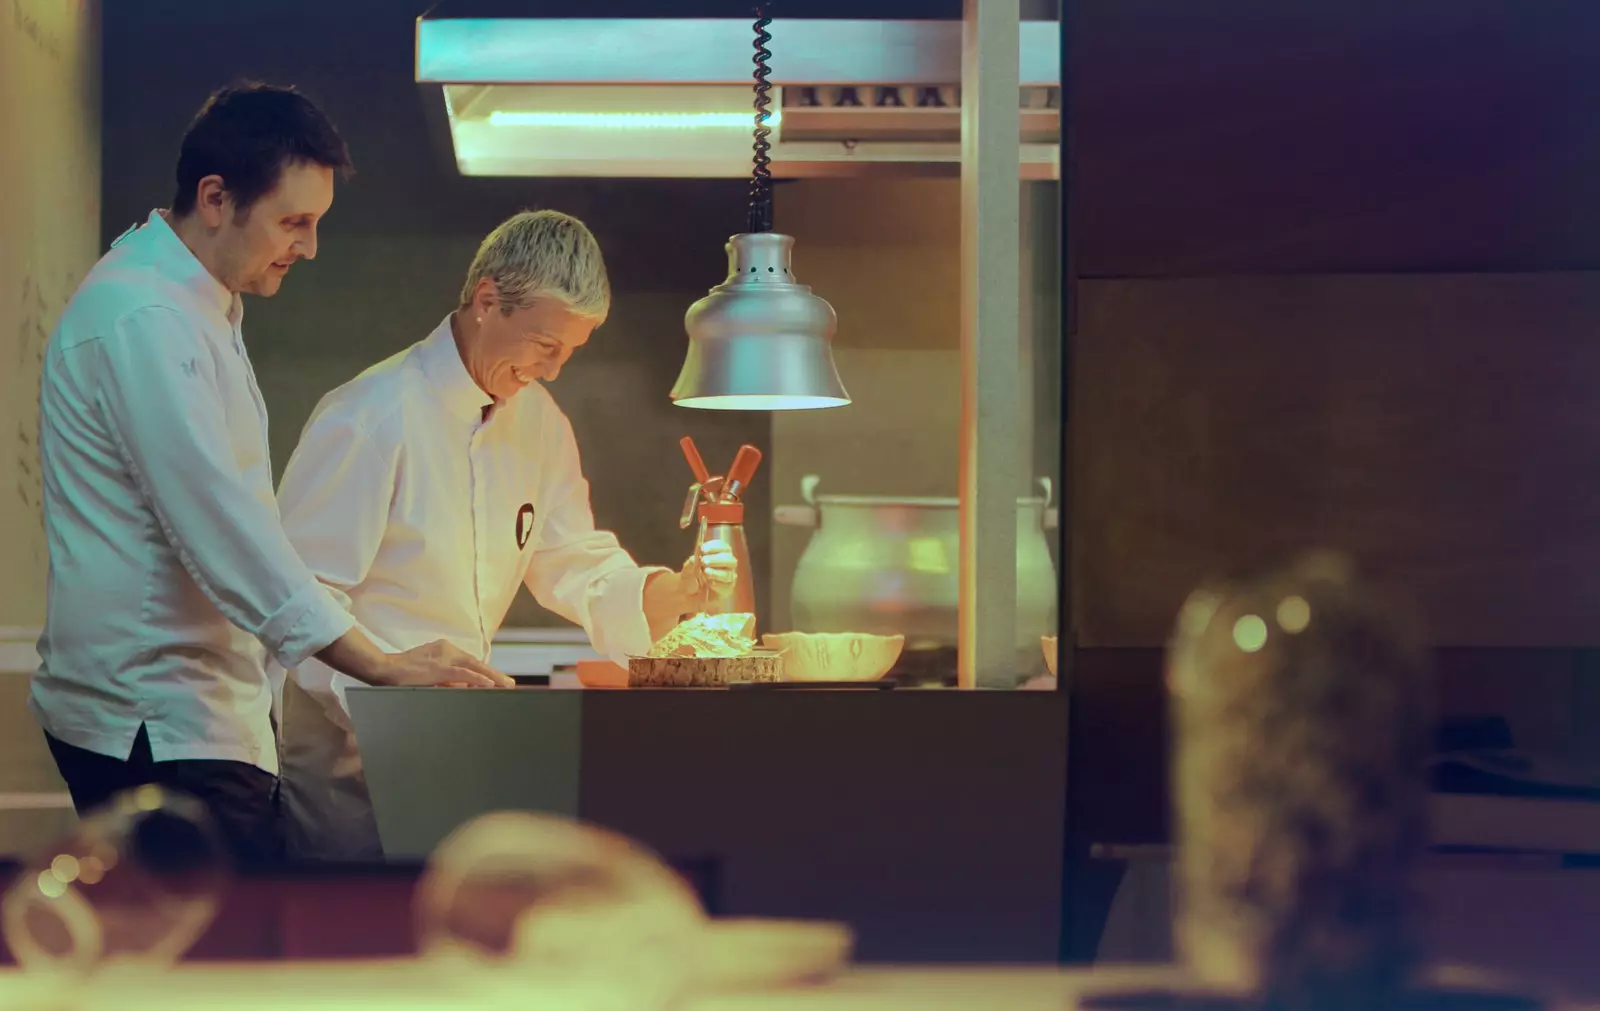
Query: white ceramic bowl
(835,656)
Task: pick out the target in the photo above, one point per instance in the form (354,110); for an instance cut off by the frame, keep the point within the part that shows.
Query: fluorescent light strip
(631,120)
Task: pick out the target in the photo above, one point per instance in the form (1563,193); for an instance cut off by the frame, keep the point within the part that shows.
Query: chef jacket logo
(524,525)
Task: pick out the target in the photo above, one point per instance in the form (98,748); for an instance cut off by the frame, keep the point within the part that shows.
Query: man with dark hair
(171,579)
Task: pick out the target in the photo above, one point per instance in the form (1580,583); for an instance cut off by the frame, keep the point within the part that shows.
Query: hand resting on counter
(434,663)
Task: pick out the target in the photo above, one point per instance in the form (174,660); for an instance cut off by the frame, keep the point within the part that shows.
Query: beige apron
(324,790)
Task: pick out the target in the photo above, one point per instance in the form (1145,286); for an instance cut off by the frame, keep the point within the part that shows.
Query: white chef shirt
(169,569)
(425,512)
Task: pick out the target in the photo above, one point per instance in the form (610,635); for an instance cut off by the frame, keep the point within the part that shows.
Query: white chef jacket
(425,505)
(169,570)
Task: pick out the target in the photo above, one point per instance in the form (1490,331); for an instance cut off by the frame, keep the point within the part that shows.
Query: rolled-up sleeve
(158,386)
(581,573)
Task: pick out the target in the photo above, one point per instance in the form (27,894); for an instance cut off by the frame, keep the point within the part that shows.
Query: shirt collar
(448,377)
(175,261)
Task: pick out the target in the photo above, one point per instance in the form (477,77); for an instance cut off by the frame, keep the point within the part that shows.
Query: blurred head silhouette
(1303,715)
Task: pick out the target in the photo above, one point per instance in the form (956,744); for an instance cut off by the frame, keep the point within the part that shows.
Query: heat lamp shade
(760,341)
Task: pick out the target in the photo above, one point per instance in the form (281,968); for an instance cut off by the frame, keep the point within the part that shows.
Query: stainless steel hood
(632,98)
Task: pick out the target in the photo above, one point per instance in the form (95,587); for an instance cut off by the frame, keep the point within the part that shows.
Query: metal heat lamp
(760,341)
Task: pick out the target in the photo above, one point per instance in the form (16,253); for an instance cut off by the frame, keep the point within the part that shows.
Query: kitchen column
(993,449)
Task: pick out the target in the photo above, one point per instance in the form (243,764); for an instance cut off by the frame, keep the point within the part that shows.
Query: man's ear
(485,298)
(213,203)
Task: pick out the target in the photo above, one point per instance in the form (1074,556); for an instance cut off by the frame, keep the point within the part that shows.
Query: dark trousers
(241,799)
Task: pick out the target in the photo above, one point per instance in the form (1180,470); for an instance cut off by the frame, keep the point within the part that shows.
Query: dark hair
(247,134)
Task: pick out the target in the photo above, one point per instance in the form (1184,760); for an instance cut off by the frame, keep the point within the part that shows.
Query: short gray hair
(543,254)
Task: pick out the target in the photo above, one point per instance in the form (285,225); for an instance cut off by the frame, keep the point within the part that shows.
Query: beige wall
(49,236)
(886,253)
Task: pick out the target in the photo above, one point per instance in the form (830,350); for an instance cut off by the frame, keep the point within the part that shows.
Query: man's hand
(440,663)
(668,596)
(713,568)
(437,663)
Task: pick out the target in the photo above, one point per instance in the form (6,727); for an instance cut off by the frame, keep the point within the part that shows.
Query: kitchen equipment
(715,500)
(741,471)
(890,566)
(724,521)
(760,341)
(835,656)
(703,671)
(697,464)
(689,505)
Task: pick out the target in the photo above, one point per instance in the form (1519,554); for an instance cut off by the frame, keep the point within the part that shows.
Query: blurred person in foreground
(1303,715)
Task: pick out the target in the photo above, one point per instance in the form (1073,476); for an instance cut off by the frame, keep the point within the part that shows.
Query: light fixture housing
(760,340)
(594,82)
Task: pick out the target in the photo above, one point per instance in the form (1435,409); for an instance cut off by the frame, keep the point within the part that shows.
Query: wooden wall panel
(1240,136)
(1443,429)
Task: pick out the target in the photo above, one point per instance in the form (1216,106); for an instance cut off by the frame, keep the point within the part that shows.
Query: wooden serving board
(703,671)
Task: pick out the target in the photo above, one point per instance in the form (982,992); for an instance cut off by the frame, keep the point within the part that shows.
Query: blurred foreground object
(135,884)
(543,905)
(1303,714)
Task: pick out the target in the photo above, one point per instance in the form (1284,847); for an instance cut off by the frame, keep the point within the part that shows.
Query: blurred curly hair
(1303,711)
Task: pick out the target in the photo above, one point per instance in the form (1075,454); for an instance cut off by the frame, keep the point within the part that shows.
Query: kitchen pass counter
(932,821)
(414,985)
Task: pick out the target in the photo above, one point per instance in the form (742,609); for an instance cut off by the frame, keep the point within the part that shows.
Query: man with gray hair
(428,489)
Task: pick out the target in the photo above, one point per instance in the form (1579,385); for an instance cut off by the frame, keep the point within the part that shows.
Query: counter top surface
(418,984)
